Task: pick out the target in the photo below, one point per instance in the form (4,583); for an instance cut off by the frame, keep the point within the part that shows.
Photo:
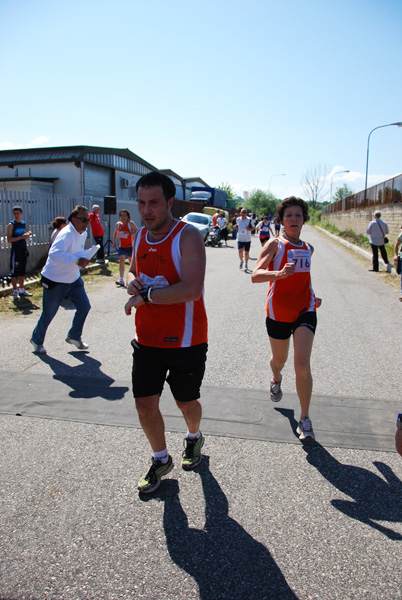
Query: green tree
(226,187)
(261,202)
(343,192)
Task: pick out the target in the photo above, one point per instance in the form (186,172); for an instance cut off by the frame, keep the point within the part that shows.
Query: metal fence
(387,192)
(38,213)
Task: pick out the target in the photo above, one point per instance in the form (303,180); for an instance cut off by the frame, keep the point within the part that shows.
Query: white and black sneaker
(305,429)
(275,390)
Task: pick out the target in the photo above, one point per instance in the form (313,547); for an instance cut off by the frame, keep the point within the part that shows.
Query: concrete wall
(358,219)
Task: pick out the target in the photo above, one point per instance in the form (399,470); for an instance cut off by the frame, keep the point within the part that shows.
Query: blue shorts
(125,251)
(245,245)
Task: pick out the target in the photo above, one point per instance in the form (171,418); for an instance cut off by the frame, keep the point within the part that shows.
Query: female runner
(291,304)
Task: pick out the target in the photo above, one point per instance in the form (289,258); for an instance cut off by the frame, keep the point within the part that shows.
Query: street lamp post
(337,173)
(276,175)
(368,146)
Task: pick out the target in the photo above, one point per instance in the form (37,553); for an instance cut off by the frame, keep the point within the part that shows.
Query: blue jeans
(52,300)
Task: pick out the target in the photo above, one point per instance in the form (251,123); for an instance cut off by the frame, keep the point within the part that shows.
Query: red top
(96,225)
(166,325)
(291,297)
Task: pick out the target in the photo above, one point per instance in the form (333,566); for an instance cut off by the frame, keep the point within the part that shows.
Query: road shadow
(25,306)
(374,498)
(86,380)
(225,560)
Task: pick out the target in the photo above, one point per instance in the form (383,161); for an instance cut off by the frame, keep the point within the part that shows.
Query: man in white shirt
(243,226)
(223,228)
(377,230)
(61,278)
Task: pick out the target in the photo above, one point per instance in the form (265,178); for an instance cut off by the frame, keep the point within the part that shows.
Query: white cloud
(36,143)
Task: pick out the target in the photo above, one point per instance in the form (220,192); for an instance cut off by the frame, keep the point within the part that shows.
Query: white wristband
(149,295)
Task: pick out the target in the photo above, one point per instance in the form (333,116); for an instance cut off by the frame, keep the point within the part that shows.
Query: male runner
(165,282)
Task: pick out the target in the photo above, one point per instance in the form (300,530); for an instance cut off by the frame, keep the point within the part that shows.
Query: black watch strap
(144,293)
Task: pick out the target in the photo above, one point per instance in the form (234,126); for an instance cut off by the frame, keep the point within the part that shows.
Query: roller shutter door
(98,181)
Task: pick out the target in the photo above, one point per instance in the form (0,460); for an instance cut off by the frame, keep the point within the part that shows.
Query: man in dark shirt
(17,236)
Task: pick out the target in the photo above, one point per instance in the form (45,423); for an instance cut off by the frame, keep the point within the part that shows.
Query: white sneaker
(389,268)
(275,390)
(305,429)
(120,281)
(38,348)
(16,295)
(79,343)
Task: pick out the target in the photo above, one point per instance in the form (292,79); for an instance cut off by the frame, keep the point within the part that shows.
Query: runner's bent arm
(260,273)
(190,287)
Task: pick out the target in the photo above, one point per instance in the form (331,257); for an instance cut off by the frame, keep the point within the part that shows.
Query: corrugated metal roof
(65,153)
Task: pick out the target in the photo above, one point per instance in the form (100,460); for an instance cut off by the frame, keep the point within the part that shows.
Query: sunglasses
(83,219)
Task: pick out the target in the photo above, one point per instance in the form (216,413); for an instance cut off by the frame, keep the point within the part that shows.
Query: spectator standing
(97,233)
(398,435)
(165,282)
(123,240)
(17,235)
(243,226)
(223,228)
(234,230)
(58,224)
(61,279)
(377,230)
(398,258)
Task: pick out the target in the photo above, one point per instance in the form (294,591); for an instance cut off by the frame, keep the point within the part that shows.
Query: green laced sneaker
(192,452)
(152,480)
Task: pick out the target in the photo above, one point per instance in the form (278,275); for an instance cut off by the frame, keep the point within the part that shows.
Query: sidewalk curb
(357,249)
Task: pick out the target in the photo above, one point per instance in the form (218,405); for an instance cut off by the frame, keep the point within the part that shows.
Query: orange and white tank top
(124,239)
(291,297)
(166,325)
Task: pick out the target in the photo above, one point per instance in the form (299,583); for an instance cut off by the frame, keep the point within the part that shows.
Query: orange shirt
(166,325)
(124,239)
(291,297)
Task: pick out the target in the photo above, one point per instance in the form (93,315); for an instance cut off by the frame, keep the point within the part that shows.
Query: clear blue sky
(232,91)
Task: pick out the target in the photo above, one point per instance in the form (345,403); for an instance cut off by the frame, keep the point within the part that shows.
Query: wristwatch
(145,293)
(399,421)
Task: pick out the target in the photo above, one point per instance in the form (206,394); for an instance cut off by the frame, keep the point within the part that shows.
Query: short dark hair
(76,210)
(157,179)
(17,208)
(126,211)
(291,201)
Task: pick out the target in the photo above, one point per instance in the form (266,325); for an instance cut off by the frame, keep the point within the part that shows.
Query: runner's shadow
(224,560)
(86,380)
(374,498)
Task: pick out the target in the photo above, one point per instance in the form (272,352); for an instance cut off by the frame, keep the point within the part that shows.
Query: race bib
(301,259)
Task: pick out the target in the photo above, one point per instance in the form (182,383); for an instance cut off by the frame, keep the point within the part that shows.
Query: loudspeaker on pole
(109,205)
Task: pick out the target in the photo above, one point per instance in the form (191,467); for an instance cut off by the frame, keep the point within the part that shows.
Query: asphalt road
(264,516)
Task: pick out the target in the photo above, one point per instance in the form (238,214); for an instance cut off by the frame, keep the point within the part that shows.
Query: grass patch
(358,239)
(31,304)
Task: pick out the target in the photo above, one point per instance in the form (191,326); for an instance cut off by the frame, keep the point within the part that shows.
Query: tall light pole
(368,146)
(337,173)
(276,175)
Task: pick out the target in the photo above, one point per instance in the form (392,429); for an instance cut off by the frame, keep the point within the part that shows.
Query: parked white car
(200,221)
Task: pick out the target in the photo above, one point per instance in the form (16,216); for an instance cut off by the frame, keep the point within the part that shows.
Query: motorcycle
(213,238)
